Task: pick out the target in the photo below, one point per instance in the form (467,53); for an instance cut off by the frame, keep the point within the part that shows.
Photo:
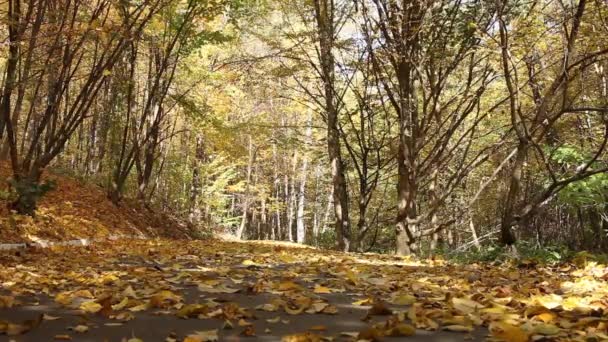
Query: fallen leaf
(203,336)
(403,299)
(402,330)
(379,309)
(248,332)
(458,328)
(321,289)
(7,302)
(121,305)
(80,328)
(466,306)
(63,337)
(274,320)
(90,307)
(508,332)
(302,337)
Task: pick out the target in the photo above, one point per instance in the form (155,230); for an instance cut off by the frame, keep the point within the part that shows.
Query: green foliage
(590,191)
(28,193)
(5,195)
(527,250)
(485,254)
(568,155)
(326,240)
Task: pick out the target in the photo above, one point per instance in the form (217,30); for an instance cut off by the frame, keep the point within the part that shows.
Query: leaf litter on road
(401,296)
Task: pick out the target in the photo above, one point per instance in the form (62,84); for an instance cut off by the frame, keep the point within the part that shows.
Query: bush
(326,240)
(527,251)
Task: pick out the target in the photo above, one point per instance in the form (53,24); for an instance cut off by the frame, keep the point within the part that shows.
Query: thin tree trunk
(301,228)
(246,198)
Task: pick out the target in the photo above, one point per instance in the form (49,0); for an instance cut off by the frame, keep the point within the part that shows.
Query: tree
(432,74)
(78,61)
(535,125)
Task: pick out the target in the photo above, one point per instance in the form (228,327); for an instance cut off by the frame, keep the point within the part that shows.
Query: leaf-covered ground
(77,210)
(169,290)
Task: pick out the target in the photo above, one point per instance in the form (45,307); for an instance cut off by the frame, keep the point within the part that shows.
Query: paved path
(258,284)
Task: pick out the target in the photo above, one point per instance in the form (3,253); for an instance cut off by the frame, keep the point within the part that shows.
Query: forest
(412,130)
(374,126)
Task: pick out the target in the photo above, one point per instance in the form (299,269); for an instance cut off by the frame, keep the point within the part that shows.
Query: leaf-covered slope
(75,210)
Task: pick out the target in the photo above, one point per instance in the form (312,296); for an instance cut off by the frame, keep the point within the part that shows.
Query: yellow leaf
(350,275)
(458,328)
(551,301)
(244,323)
(123,303)
(107,279)
(287,258)
(81,328)
(13,329)
(192,310)
(366,301)
(546,329)
(63,337)
(294,311)
(48,317)
(403,299)
(216,289)
(466,306)
(164,299)
(302,337)
(318,307)
(6,302)
(274,320)
(402,330)
(129,292)
(64,298)
(546,316)
(83,294)
(90,307)
(508,332)
(321,289)
(141,307)
(203,336)
(288,286)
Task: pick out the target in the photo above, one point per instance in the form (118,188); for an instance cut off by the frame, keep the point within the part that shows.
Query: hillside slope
(75,210)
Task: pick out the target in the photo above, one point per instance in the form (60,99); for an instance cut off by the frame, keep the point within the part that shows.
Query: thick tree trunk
(324,13)
(507,234)
(406,207)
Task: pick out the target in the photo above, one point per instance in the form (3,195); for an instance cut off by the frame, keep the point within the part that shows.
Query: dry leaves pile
(119,281)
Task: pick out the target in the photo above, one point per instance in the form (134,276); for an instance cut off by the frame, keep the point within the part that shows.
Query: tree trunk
(246,199)
(195,189)
(507,235)
(407,228)
(324,13)
(300,224)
